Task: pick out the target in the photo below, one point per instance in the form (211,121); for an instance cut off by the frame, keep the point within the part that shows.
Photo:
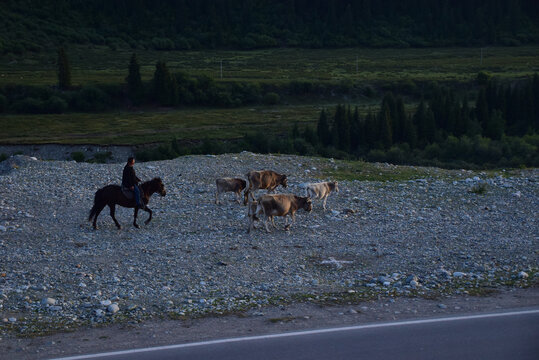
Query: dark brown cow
(280,205)
(264,179)
(234,185)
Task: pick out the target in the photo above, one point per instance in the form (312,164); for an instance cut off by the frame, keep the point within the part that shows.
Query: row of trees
(498,111)
(172,24)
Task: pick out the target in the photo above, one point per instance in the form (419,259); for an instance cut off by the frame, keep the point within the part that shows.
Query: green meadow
(103,65)
(357,66)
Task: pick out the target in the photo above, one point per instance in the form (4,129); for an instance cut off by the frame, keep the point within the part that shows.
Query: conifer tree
(495,125)
(164,85)
(386,138)
(322,129)
(410,132)
(481,109)
(399,119)
(135,90)
(356,131)
(64,70)
(385,124)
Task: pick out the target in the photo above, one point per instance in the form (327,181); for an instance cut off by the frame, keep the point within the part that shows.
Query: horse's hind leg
(112,215)
(99,209)
(147,209)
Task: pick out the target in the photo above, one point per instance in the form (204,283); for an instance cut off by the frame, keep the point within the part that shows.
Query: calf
(281,205)
(264,179)
(322,190)
(229,184)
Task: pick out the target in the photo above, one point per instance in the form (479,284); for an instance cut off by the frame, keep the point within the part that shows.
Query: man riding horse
(130,181)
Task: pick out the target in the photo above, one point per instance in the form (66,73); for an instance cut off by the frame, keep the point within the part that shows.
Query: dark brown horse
(112,195)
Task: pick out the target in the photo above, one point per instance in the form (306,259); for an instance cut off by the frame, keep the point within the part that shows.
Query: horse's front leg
(149,211)
(135,218)
(112,215)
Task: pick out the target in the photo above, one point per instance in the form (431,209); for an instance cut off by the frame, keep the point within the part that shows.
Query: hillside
(167,25)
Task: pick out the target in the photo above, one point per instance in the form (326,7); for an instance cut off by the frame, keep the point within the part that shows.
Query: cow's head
(284,181)
(305,203)
(335,186)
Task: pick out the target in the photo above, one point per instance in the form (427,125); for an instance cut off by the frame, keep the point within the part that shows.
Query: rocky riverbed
(441,232)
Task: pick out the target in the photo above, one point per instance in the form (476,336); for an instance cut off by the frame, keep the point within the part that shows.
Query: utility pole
(481,56)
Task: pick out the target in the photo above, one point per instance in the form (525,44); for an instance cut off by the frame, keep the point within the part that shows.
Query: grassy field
(103,65)
(128,128)
(142,127)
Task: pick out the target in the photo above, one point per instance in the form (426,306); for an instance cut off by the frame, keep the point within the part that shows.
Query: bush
(78,156)
(483,78)
(90,98)
(3,157)
(163,44)
(271,98)
(376,155)
(3,103)
(28,106)
(101,157)
(55,105)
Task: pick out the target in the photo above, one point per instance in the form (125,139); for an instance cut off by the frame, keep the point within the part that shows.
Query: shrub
(3,157)
(163,44)
(102,157)
(3,103)
(483,78)
(28,106)
(478,189)
(78,156)
(376,155)
(55,105)
(271,98)
(90,98)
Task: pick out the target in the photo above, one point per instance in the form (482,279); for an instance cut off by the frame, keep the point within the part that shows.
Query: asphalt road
(507,335)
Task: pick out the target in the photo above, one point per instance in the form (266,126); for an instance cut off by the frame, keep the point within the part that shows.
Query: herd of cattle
(271,205)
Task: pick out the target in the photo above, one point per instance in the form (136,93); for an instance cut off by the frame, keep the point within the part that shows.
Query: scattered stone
(48,301)
(113,308)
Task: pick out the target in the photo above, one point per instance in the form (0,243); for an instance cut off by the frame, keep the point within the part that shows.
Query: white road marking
(301,333)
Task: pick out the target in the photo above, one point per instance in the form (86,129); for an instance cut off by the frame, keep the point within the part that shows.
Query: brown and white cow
(271,205)
(322,190)
(234,185)
(264,179)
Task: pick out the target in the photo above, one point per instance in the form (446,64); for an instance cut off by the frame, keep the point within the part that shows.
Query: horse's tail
(95,208)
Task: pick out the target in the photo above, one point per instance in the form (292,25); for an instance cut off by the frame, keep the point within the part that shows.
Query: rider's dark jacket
(128,177)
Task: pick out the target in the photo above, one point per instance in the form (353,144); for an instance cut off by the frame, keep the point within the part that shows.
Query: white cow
(321,190)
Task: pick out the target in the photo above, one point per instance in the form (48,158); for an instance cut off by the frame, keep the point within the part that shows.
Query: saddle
(128,193)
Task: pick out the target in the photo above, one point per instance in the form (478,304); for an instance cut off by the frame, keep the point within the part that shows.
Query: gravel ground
(419,237)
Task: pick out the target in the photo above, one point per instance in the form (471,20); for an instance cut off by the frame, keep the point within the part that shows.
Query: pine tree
(386,137)
(135,90)
(164,85)
(495,125)
(356,131)
(295,131)
(399,119)
(385,124)
(371,132)
(64,70)
(481,109)
(462,122)
(322,129)
(420,121)
(410,132)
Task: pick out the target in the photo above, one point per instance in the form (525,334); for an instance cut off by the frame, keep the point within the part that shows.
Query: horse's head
(159,187)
